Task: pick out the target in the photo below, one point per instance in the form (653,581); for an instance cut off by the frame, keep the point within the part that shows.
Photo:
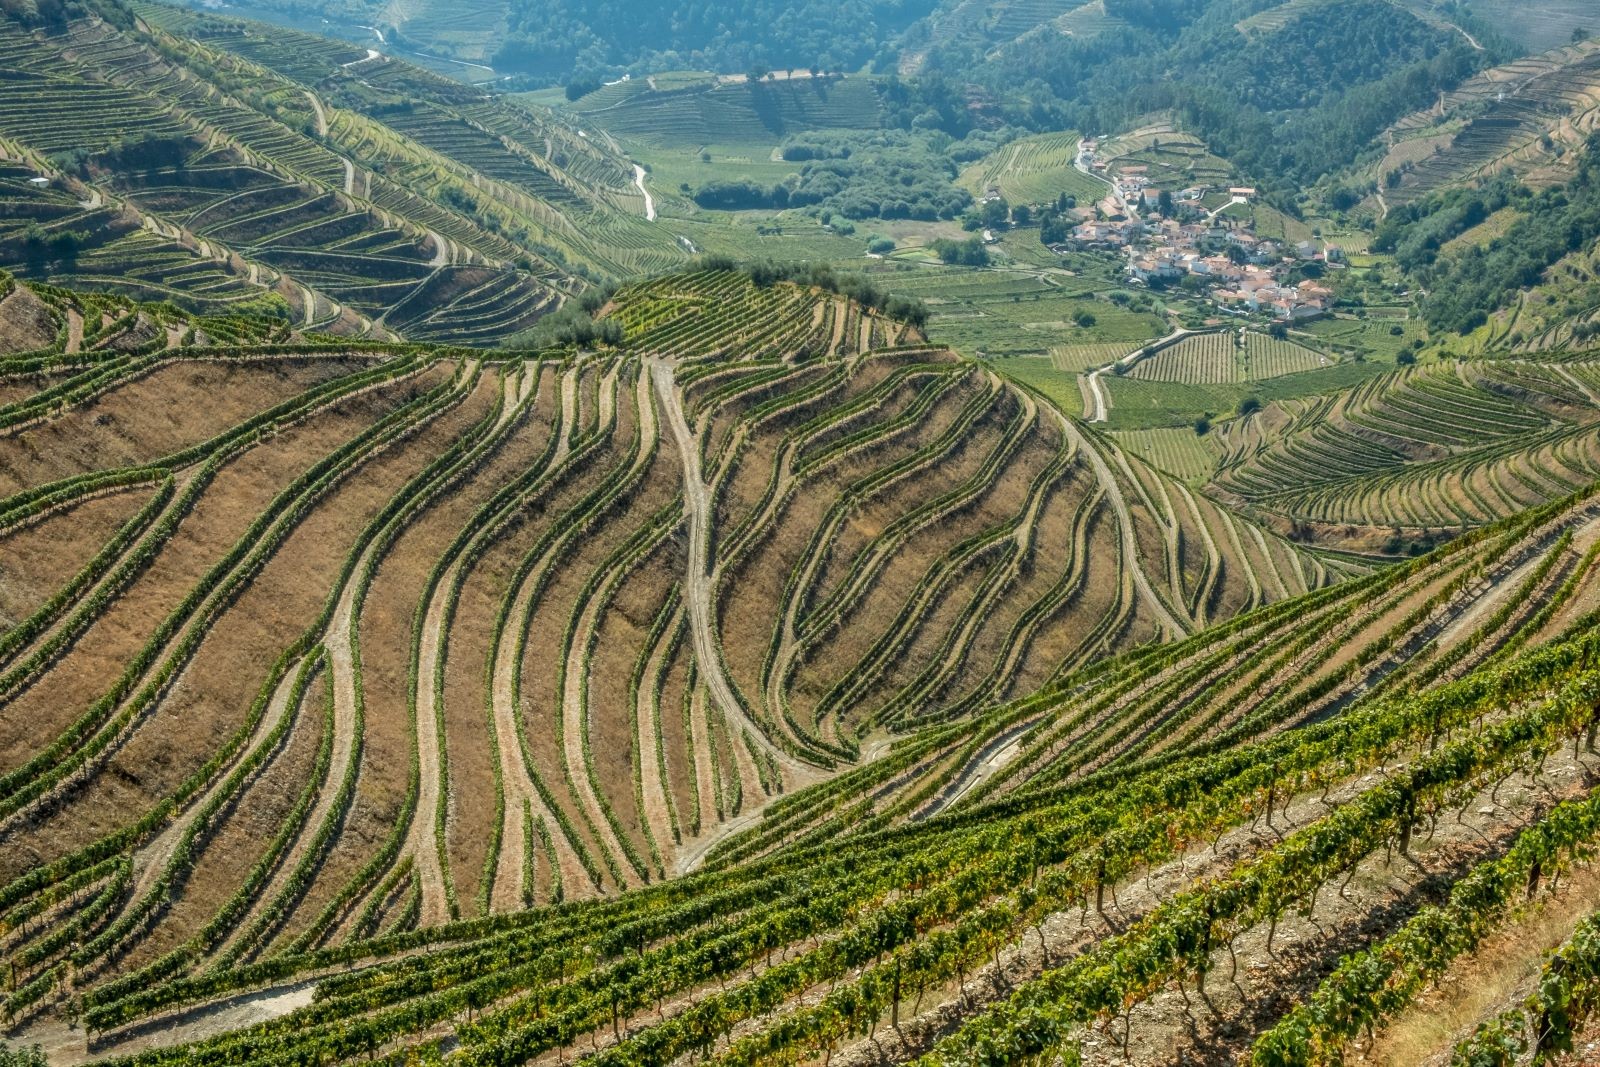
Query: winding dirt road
(697,586)
(649,201)
(322,116)
(1130,542)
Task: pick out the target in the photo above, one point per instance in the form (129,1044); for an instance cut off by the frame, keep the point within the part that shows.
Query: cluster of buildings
(1239,271)
(1249,275)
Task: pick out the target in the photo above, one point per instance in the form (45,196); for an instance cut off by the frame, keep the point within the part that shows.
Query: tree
(1249,406)
(579,88)
(968,253)
(1278,331)
(1202,425)
(1164,204)
(64,247)
(995,212)
(1021,215)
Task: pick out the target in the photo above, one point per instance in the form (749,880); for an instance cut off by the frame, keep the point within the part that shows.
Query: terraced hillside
(992,25)
(374,638)
(1166,855)
(697,109)
(1537,24)
(234,167)
(1442,447)
(1527,117)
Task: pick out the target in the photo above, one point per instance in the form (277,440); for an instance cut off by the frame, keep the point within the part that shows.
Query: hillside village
(1170,237)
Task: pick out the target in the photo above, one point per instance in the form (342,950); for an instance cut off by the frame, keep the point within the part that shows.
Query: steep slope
(1227,817)
(161,167)
(391,637)
(1445,446)
(1526,118)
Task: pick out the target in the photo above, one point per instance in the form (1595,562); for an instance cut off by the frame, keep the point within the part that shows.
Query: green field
(695,108)
(1538,24)
(1372,338)
(1033,170)
(802,239)
(1177,450)
(1137,404)
(1014,313)
(1087,356)
(1061,387)
(672,166)
(1224,357)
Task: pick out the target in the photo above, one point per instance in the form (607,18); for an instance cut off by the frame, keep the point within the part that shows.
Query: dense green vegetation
(1415,233)
(1283,105)
(567,38)
(889,174)
(1467,286)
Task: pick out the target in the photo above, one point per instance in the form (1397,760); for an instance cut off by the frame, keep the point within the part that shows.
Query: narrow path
(421,843)
(652,776)
(150,861)
(1213,557)
(1576,382)
(1096,410)
(1081,164)
(649,201)
(341,762)
(66,1045)
(574,706)
(999,752)
(441,254)
(694,855)
(322,116)
(697,586)
(518,783)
